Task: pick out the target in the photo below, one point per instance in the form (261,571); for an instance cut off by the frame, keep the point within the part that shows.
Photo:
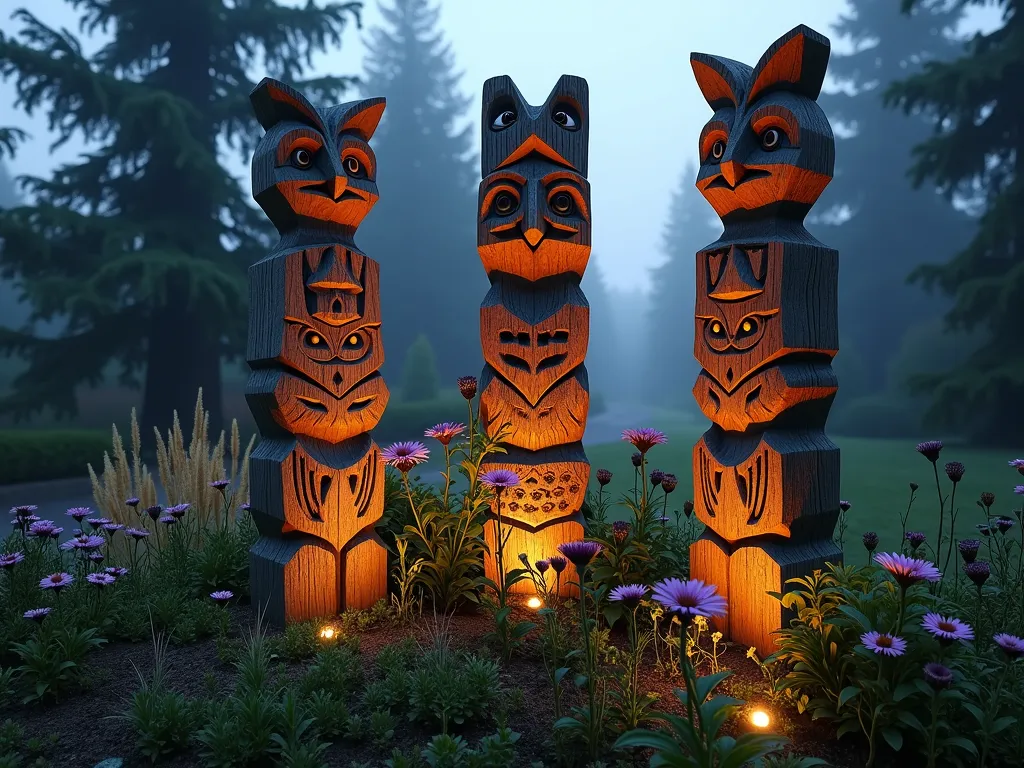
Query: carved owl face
(768,142)
(314,165)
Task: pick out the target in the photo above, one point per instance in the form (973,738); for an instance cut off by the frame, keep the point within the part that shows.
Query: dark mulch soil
(84,736)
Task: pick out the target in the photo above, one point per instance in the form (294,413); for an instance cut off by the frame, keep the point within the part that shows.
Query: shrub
(419,374)
(877,416)
(32,455)
(402,420)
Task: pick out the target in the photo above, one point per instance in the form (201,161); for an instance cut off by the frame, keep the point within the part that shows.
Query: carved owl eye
(771,139)
(566,116)
(562,203)
(717,330)
(314,340)
(353,167)
(504,120)
(505,203)
(747,328)
(302,158)
(355,346)
(718,150)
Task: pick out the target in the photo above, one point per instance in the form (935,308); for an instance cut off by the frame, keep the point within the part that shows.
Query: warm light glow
(327,633)
(534,602)
(759,718)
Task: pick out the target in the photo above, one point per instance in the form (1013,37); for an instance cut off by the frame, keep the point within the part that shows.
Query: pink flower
(405,455)
(445,431)
(907,570)
(883,643)
(1012,645)
(947,630)
(644,439)
(500,478)
(689,598)
(57,581)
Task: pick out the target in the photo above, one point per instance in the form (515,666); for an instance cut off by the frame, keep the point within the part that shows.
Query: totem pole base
(538,544)
(293,578)
(745,574)
(364,567)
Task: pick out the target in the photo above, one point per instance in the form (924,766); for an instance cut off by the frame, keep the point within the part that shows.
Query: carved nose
(733,172)
(340,183)
(533,236)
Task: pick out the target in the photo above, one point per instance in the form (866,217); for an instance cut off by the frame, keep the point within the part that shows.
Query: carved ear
(720,80)
(362,117)
(574,89)
(273,101)
(795,62)
(499,91)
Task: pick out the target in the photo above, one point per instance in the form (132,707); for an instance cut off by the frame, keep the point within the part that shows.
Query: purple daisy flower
(644,439)
(154,512)
(500,478)
(57,581)
(10,559)
(178,510)
(133,502)
(689,598)
(100,579)
(220,485)
(37,614)
(98,522)
(1012,645)
(23,509)
(113,528)
(96,557)
(628,594)
(1003,523)
(79,513)
(136,533)
(558,563)
(84,542)
(930,449)
(542,566)
(45,529)
(245,507)
(884,643)
(870,540)
(405,455)
(168,519)
(580,552)
(1019,490)
(955,471)
(663,519)
(669,482)
(1018,464)
(116,571)
(222,595)
(946,628)
(937,675)
(916,539)
(907,570)
(969,549)
(978,572)
(445,432)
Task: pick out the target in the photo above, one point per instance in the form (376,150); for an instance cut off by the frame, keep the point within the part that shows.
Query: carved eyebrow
(780,113)
(505,176)
(560,175)
(714,125)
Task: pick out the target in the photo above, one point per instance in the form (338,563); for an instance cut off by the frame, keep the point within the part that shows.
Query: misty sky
(646,110)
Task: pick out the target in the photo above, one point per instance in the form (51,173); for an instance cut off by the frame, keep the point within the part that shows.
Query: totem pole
(534,241)
(766,477)
(317,481)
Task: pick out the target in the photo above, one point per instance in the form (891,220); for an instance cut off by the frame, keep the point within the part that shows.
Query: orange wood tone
(297,579)
(764,184)
(709,562)
(537,544)
(364,568)
(552,485)
(712,84)
(559,418)
(784,66)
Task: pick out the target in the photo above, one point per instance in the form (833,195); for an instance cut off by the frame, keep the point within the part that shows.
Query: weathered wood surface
(766,477)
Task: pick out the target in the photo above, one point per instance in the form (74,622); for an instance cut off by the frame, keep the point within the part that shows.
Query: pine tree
(890,227)
(670,366)
(423,230)
(419,375)
(144,243)
(976,99)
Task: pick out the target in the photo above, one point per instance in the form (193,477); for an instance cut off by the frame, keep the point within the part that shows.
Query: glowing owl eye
(748,327)
(771,139)
(505,203)
(718,149)
(302,158)
(716,329)
(504,120)
(562,204)
(353,342)
(353,167)
(314,340)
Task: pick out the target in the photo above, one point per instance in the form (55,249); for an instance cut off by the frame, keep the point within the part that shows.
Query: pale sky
(646,110)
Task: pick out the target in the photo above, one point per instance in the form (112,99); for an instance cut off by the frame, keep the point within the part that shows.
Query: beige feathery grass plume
(185,473)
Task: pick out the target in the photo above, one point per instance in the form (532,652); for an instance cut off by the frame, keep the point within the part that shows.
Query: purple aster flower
(937,675)
(669,482)
(916,539)
(969,549)
(136,533)
(1019,490)
(178,510)
(637,458)
(978,572)
(96,557)
(558,563)
(500,478)
(23,509)
(10,559)
(57,581)
(79,513)
(644,439)
(222,595)
(688,507)
(245,507)
(1018,464)
(154,512)
(946,628)
(168,519)
(113,528)
(98,522)
(1004,523)
(870,540)
(930,449)
(955,471)
(542,566)
(984,529)
(629,595)
(620,530)
(467,386)
(656,477)
(663,519)
(37,614)
(844,505)
(85,542)
(604,477)
(907,570)
(133,502)
(580,552)
(405,455)
(116,571)
(689,598)
(220,485)
(884,643)
(45,529)
(100,579)
(1012,645)
(987,499)
(445,432)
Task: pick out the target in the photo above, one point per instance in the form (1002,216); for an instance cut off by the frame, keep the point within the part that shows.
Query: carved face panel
(557,131)
(314,164)
(552,485)
(560,417)
(534,221)
(743,316)
(768,142)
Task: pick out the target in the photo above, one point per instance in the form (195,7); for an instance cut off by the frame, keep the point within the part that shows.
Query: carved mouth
(750,175)
(348,194)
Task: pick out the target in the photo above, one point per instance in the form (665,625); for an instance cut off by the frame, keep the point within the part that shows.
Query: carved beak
(533,221)
(733,172)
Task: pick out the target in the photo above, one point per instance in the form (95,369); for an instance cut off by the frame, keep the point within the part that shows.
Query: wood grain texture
(364,571)
(294,578)
(553,483)
(537,544)
(533,334)
(560,417)
(709,562)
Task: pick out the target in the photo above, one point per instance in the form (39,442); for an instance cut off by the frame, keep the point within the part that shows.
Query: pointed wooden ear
(720,80)
(795,62)
(499,91)
(362,117)
(573,88)
(273,101)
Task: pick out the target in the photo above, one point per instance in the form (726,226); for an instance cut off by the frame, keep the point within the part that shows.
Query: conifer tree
(143,244)
(419,376)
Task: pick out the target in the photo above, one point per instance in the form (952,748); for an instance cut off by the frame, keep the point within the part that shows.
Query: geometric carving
(559,417)
(315,391)
(553,484)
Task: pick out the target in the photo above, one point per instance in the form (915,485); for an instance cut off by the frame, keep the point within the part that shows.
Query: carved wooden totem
(315,352)
(534,241)
(766,477)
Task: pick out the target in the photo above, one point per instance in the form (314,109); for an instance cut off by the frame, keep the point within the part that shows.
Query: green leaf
(965,744)
(860,618)
(893,737)
(849,692)
(705,685)
(560,673)
(903,690)
(643,739)
(522,629)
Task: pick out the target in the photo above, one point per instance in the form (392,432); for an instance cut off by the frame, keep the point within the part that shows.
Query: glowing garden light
(534,603)
(327,633)
(760,719)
